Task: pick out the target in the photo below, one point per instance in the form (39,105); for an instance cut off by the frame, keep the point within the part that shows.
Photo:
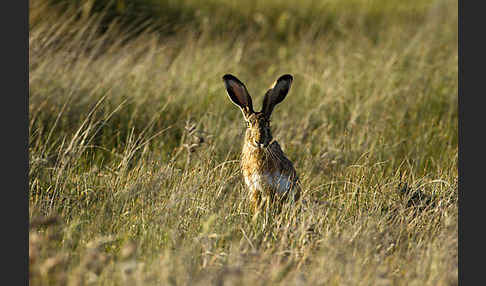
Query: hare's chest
(274,181)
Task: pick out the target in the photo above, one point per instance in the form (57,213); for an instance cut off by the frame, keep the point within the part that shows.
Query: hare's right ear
(238,94)
(276,94)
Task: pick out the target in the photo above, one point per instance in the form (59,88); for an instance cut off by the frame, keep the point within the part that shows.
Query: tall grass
(134,146)
(271,18)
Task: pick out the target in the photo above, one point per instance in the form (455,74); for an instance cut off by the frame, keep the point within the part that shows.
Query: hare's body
(268,173)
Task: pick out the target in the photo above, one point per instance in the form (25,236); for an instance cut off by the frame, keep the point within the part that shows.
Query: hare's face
(258,132)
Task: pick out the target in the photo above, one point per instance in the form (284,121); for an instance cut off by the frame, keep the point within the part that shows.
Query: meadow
(134,145)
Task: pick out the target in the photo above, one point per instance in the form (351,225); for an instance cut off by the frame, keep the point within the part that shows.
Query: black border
(14,25)
(471,161)
(15,48)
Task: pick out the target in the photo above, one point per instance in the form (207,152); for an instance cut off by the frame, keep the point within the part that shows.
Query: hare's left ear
(238,94)
(276,94)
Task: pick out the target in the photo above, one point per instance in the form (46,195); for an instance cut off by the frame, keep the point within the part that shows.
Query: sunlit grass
(134,148)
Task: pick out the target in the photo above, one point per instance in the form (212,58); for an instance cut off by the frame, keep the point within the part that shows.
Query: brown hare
(268,173)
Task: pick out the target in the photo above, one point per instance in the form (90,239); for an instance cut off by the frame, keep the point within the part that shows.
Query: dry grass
(134,146)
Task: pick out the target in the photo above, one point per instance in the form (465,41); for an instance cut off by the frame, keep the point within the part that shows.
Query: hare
(268,173)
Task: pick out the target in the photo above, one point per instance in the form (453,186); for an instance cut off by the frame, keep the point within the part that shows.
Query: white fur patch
(279,183)
(254,182)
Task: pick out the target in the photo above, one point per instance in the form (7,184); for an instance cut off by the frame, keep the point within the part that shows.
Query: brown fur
(268,173)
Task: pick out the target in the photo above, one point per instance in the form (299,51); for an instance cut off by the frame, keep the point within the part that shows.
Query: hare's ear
(238,94)
(276,94)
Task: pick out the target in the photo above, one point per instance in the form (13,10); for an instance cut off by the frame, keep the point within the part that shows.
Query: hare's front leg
(256,199)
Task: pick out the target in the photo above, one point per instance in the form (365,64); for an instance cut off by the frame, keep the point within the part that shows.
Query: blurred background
(134,144)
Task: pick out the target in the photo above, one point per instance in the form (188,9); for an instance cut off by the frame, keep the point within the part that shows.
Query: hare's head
(258,123)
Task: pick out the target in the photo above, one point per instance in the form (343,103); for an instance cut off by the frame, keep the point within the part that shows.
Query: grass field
(134,145)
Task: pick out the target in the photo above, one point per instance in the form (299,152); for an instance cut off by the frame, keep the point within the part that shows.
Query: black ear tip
(286,77)
(229,77)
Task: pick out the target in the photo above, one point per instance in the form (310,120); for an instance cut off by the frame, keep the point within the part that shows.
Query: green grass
(134,144)
(271,18)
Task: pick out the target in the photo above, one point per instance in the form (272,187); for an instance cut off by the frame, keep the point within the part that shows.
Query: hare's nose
(261,141)
(262,144)
(259,144)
